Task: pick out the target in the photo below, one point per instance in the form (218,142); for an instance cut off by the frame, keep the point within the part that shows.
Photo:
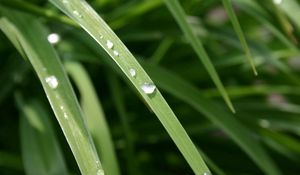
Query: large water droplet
(100,172)
(52,81)
(132,72)
(76,13)
(109,44)
(277,1)
(116,53)
(148,88)
(53,38)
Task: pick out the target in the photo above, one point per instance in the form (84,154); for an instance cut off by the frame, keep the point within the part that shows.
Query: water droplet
(52,81)
(101,37)
(148,88)
(116,53)
(206,173)
(65,1)
(53,38)
(61,107)
(109,44)
(75,12)
(132,72)
(66,115)
(277,1)
(100,172)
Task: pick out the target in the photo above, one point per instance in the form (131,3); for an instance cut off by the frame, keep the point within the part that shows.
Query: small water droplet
(116,53)
(53,38)
(132,72)
(75,12)
(109,44)
(206,173)
(61,107)
(277,1)
(52,81)
(148,88)
(66,115)
(101,37)
(100,172)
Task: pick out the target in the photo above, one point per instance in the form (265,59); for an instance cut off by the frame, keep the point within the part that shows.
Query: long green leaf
(84,15)
(40,149)
(180,17)
(95,118)
(239,32)
(31,37)
(227,122)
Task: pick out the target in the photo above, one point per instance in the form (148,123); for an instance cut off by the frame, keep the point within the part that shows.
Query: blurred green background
(267,104)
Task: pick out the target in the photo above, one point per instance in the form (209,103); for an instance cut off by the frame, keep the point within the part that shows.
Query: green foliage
(181,60)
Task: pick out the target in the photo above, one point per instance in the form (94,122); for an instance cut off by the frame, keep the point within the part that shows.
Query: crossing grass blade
(226,121)
(40,149)
(180,16)
(88,19)
(31,40)
(239,32)
(95,117)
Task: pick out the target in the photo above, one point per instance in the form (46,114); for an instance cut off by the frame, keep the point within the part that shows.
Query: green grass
(89,103)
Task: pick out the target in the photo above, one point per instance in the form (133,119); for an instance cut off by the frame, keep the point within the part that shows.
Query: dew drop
(61,107)
(53,38)
(148,88)
(76,13)
(277,1)
(65,1)
(101,37)
(132,72)
(109,44)
(116,53)
(206,173)
(52,81)
(66,115)
(100,172)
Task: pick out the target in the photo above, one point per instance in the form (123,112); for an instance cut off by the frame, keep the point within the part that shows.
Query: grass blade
(227,122)
(95,118)
(239,32)
(83,14)
(180,17)
(40,149)
(32,40)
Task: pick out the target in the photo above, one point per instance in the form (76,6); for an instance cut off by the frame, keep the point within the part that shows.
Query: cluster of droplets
(147,88)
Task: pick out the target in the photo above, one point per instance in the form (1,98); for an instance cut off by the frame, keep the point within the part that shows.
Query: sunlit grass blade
(95,117)
(239,32)
(195,42)
(32,40)
(84,15)
(40,149)
(226,121)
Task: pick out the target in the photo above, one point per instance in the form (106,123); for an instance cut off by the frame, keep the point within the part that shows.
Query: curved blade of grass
(83,14)
(180,17)
(95,118)
(226,121)
(239,32)
(33,42)
(40,149)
